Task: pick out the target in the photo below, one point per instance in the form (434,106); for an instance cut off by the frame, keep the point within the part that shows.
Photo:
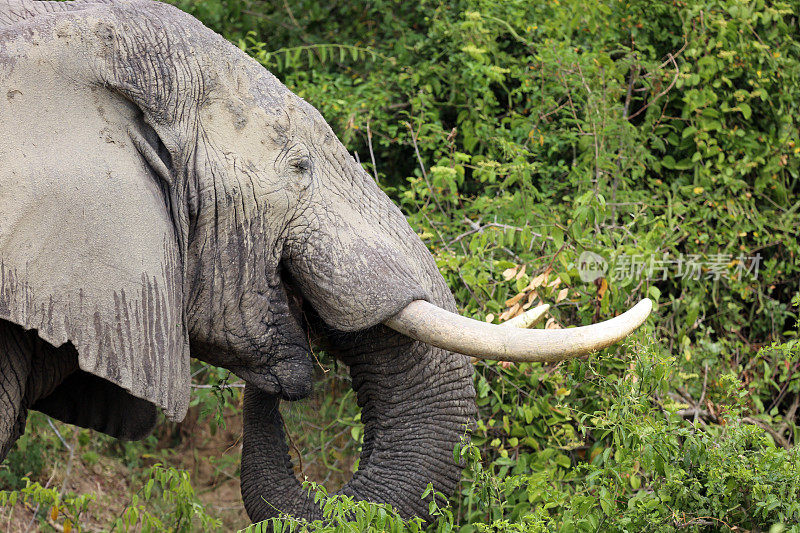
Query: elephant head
(164,195)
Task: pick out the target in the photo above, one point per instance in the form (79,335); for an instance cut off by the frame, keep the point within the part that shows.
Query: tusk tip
(643,308)
(637,315)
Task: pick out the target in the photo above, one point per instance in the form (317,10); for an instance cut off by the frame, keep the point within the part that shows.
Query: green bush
(650,470)
(26,459)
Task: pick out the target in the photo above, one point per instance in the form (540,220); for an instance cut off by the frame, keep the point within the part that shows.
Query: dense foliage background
(517,135)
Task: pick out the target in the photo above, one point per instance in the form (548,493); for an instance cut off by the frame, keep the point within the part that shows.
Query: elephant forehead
(232,125)
(249,124)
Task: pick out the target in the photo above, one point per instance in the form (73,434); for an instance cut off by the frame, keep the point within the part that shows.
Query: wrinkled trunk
(417,402)
(269,486)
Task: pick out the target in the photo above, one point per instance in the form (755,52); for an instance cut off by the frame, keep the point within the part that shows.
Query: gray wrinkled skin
(161,196)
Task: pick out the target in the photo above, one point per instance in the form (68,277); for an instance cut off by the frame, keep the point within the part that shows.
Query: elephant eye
(301,164)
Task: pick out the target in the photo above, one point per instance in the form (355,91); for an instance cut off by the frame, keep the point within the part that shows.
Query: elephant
(163,196)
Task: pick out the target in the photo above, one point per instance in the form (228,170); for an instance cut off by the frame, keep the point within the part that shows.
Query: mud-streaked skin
(161,195)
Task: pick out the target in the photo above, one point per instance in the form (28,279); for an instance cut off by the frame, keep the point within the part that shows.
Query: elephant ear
(89,250)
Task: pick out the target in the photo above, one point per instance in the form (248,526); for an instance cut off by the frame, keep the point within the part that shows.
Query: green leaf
(654,292)
(746,111)
(558,236)
(606,502)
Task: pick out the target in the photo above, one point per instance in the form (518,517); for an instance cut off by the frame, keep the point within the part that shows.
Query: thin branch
(68,471)
(46,485)
(372,154)
(58,433)
(790,414)
(777,437)
(265,17)
(702,521)
(693,412)
(422,167)
(294,20)
(662,93)
(569,97)
(779,398)
(477,228)
(559,106)
(293,445)
(702,394)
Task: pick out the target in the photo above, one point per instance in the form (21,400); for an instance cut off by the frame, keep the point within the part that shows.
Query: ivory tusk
(433,325)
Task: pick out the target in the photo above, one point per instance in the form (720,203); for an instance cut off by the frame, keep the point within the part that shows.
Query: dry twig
(662,93)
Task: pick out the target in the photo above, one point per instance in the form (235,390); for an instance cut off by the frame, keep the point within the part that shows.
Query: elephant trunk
(417,402)
(268,483)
